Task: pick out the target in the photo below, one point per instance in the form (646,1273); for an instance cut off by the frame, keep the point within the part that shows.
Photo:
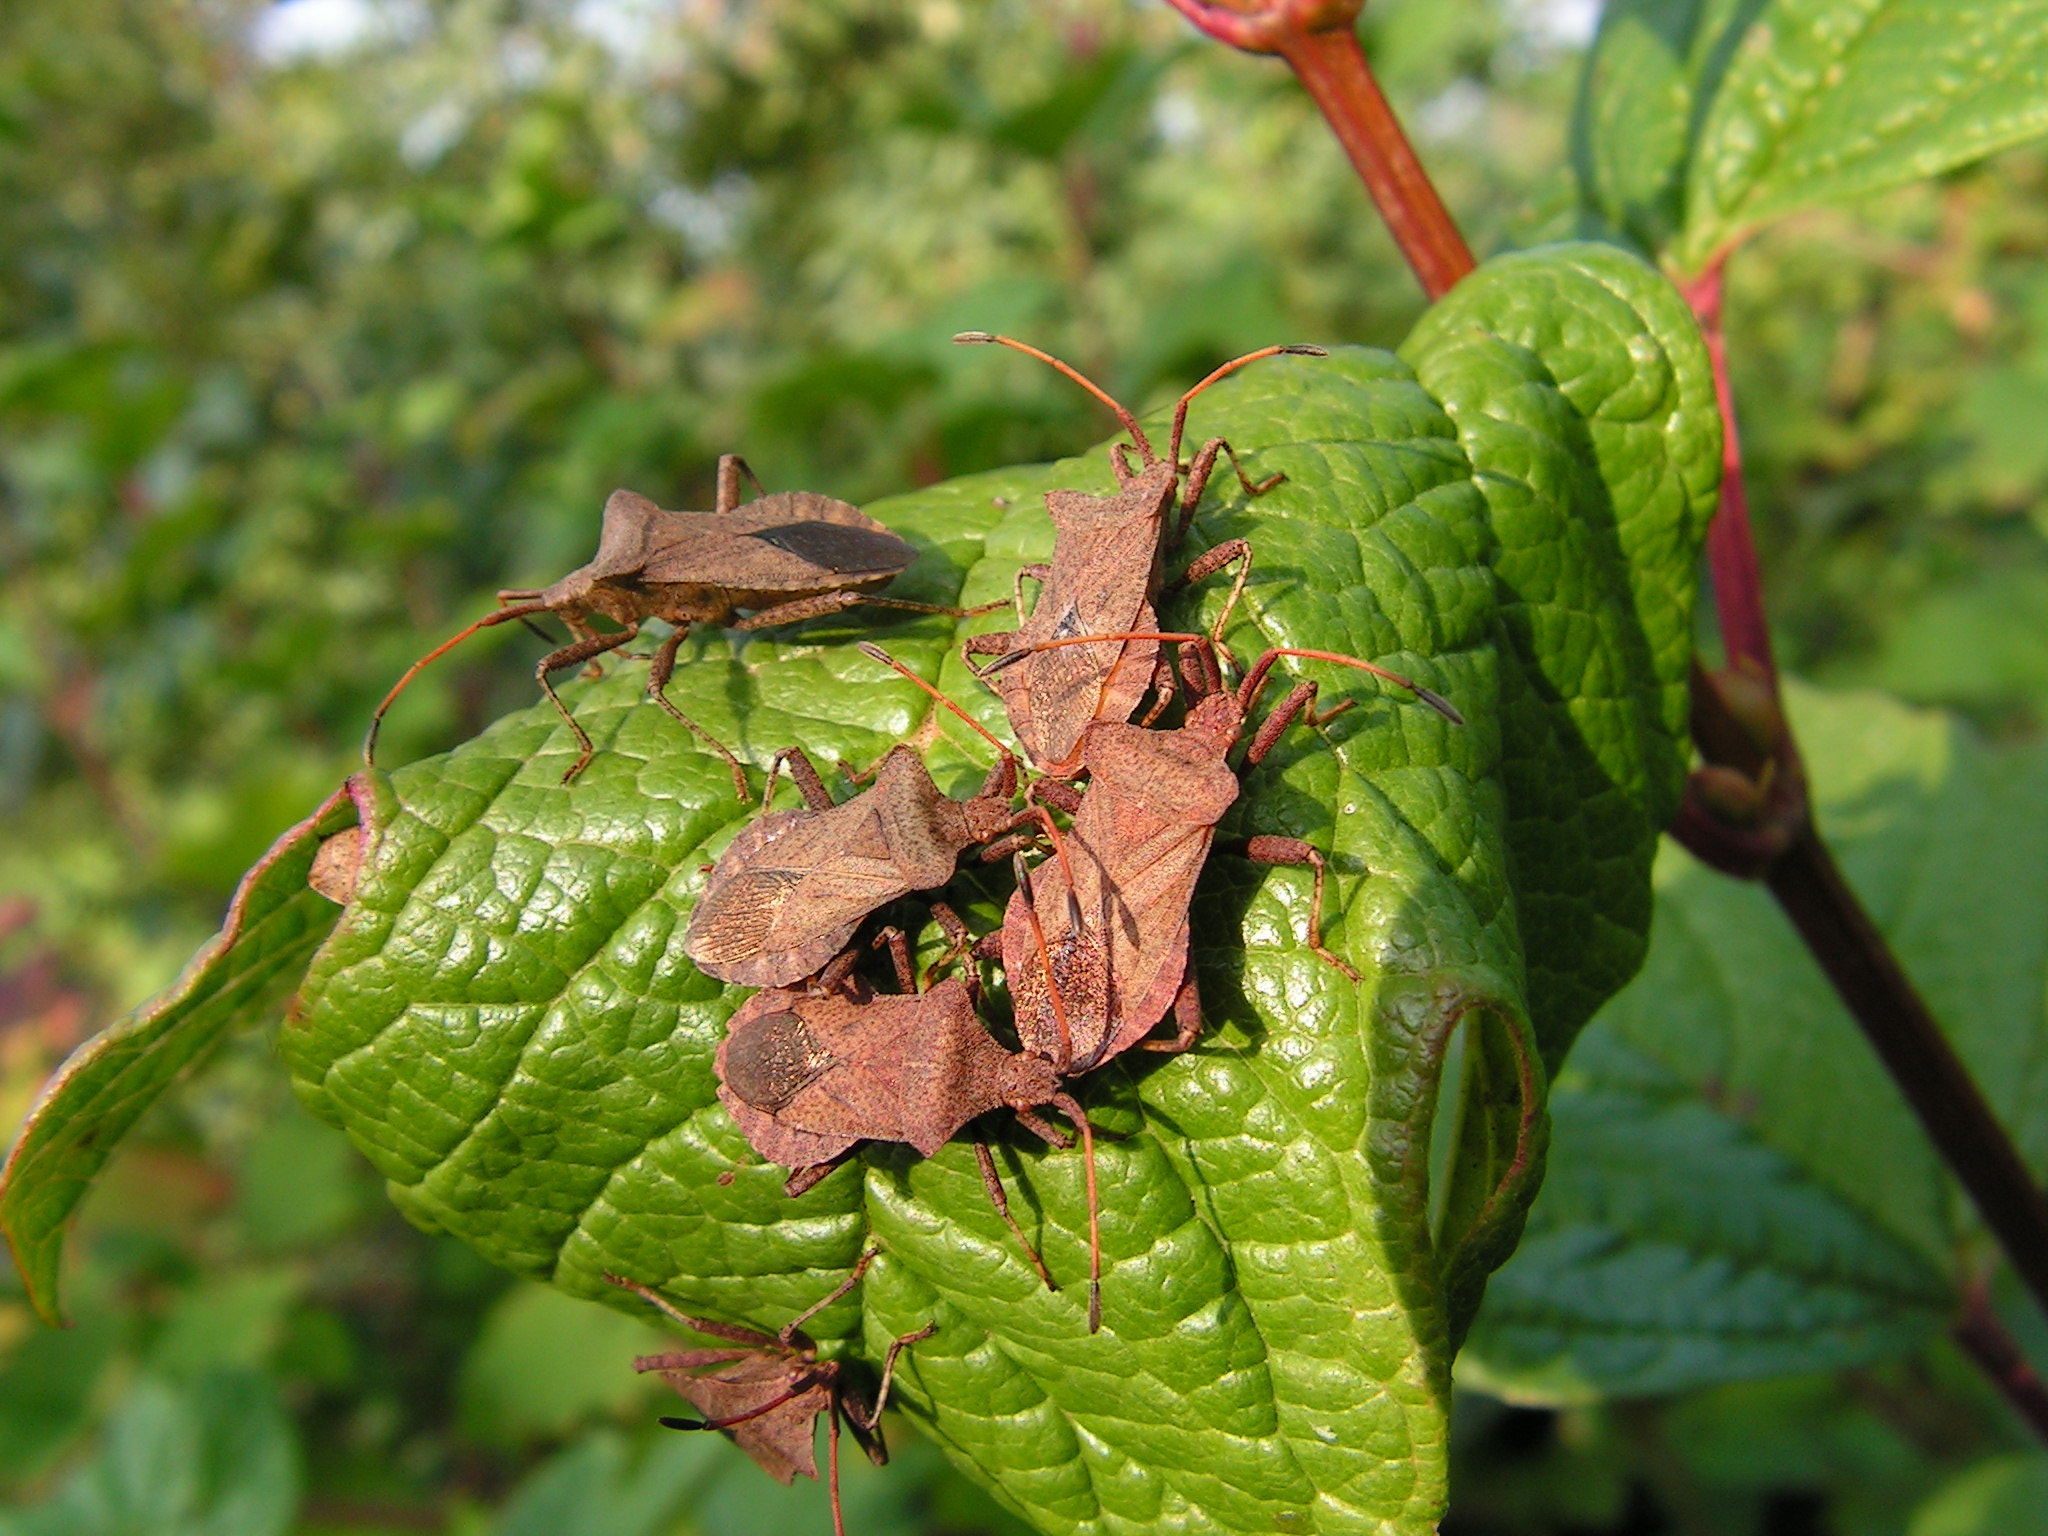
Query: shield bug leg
(732,1332)
(1187,1019)
(802,774)
(588,649)
(896,1348)
(730,467)
(1199,471)
(659,671)
(1292,850)
(1065,1103)
(1207,564)
(794,1326)
(802,1181)
(1038,571)
(959,944)
(838,971)
(893,939)
(992,1181)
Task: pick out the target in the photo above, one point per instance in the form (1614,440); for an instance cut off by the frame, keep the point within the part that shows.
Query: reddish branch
(1731,552)
(1746,810)
(1319,41)
(1985,1340)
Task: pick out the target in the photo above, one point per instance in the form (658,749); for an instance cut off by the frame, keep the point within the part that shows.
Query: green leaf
(213,1459)
(1702,120)
(273,926)
(544,1363)
(504,1022)
(1736,1187)
(1581,391)
(2005,1496)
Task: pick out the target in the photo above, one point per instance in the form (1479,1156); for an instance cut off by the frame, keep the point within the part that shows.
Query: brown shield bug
(807,1076)
(767,1390)
(1105,578)
(787,556)
(792,886)
(1110,925)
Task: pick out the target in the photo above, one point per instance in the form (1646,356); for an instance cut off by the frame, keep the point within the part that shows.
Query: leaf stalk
(1740,729)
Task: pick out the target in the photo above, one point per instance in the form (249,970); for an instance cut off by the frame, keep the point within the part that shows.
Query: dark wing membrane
(771,1058)
(838,547)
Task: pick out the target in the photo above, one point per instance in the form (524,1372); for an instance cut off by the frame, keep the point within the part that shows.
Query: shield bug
(780,558)
(808,1076)
(1109,926)
(767,1390)
(1105,578)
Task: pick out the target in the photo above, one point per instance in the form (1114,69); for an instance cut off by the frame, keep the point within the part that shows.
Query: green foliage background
(299,361)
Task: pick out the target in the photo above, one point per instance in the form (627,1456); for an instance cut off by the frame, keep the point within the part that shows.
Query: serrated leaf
(1701,120)
(505,1024)
(272,927)
(1736,1187)
(1581,391)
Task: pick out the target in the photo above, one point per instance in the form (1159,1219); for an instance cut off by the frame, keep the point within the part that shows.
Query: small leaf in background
(231,1319)
(544,1363)
(1701,122)
(2005,1496)
(214,1458)
(300,1181)
(602,1485)
(1735,1188)
(48,1381)
(273,925)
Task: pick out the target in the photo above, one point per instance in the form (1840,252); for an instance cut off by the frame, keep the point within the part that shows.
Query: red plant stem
(1937,1086)
(1731,550)
(1985,1340)
(1319,41)
(1333,69)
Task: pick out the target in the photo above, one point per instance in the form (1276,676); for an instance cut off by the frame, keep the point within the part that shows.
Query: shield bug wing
(847,550)
(769,1403)
(769,1057)
(787,894)
(791,888)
